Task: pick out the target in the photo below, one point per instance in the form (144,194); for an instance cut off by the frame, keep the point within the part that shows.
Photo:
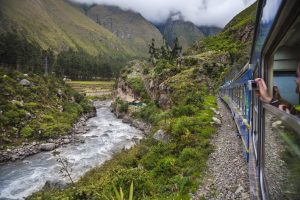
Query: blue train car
(270,135)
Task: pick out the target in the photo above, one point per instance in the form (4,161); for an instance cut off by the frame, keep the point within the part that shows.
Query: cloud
(200,12)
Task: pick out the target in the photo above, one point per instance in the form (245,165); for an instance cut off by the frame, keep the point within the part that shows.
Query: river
(106,136)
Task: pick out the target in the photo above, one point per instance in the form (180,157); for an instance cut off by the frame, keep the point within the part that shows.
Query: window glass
(282,159)
(269,12)
(287,87)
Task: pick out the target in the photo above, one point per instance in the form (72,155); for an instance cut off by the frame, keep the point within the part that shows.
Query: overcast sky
(200,12)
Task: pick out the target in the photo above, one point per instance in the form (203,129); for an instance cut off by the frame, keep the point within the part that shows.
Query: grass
(93,89)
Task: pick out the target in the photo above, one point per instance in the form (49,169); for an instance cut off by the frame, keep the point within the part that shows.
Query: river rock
(56,184)
(79,138)
(161,136)
(126,120)
(139,125)
(66,141)
(216,120)
(47,146)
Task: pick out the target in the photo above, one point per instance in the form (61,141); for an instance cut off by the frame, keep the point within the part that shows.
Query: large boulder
(164,101)
(25,82)
(161,136)
(47,146)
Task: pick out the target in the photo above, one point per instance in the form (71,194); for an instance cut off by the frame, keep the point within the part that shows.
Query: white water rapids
(107,135)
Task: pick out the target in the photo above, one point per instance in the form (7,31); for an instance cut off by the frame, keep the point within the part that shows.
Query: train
(270,136)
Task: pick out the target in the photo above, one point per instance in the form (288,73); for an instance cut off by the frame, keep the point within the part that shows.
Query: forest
(17,53)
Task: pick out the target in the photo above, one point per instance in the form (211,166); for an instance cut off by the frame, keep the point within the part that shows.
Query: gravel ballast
(227,174)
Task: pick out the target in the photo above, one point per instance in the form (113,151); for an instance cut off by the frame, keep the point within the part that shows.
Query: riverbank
(28,149)
(107,136)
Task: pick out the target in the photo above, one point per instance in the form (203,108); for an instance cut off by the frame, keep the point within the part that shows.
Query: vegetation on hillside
(235,39)
(33,107)
(89,48)
(59,26)
(17,53)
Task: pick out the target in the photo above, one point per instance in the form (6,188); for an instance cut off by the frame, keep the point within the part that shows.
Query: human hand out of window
(262,91)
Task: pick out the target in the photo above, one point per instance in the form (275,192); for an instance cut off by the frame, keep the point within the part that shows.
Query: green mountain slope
(58,25)
(130,27)
(235,39)
(186,32)
(209,30)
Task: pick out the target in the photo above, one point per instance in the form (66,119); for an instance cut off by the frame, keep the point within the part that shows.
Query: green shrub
(31,105)
(137,85)
(86,106)
(166,166)
(140,177)
(14,116)
(73,108)
(187,154)
(184,110)
(48,118)
(54,130)
(27,132)
(183,125)
(149,113)
(194,98)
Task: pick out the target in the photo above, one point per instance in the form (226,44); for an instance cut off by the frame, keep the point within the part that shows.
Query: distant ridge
(130,27)
(186,32)
(57,25)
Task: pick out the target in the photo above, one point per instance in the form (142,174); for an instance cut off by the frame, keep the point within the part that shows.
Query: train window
(282,142)
(285,63)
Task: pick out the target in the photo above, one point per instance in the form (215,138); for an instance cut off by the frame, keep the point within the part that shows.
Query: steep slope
(130,27)
(186,32)
(56,24)
(209,30)
(235,39)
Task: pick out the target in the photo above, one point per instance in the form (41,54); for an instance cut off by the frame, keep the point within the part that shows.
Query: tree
(153,51)
(165,51)
(176,51)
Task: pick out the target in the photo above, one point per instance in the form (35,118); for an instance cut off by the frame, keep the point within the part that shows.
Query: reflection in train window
(286,59)
(282,143)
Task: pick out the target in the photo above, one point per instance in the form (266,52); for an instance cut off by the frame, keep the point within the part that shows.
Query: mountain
(186,32)
(130,27)
(209,30)
(235,39)
(57,25)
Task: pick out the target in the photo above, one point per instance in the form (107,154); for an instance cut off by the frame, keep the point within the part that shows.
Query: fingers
(257,93)
(284,108)
(261,83)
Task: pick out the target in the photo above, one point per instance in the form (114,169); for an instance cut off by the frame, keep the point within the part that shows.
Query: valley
(121,99)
